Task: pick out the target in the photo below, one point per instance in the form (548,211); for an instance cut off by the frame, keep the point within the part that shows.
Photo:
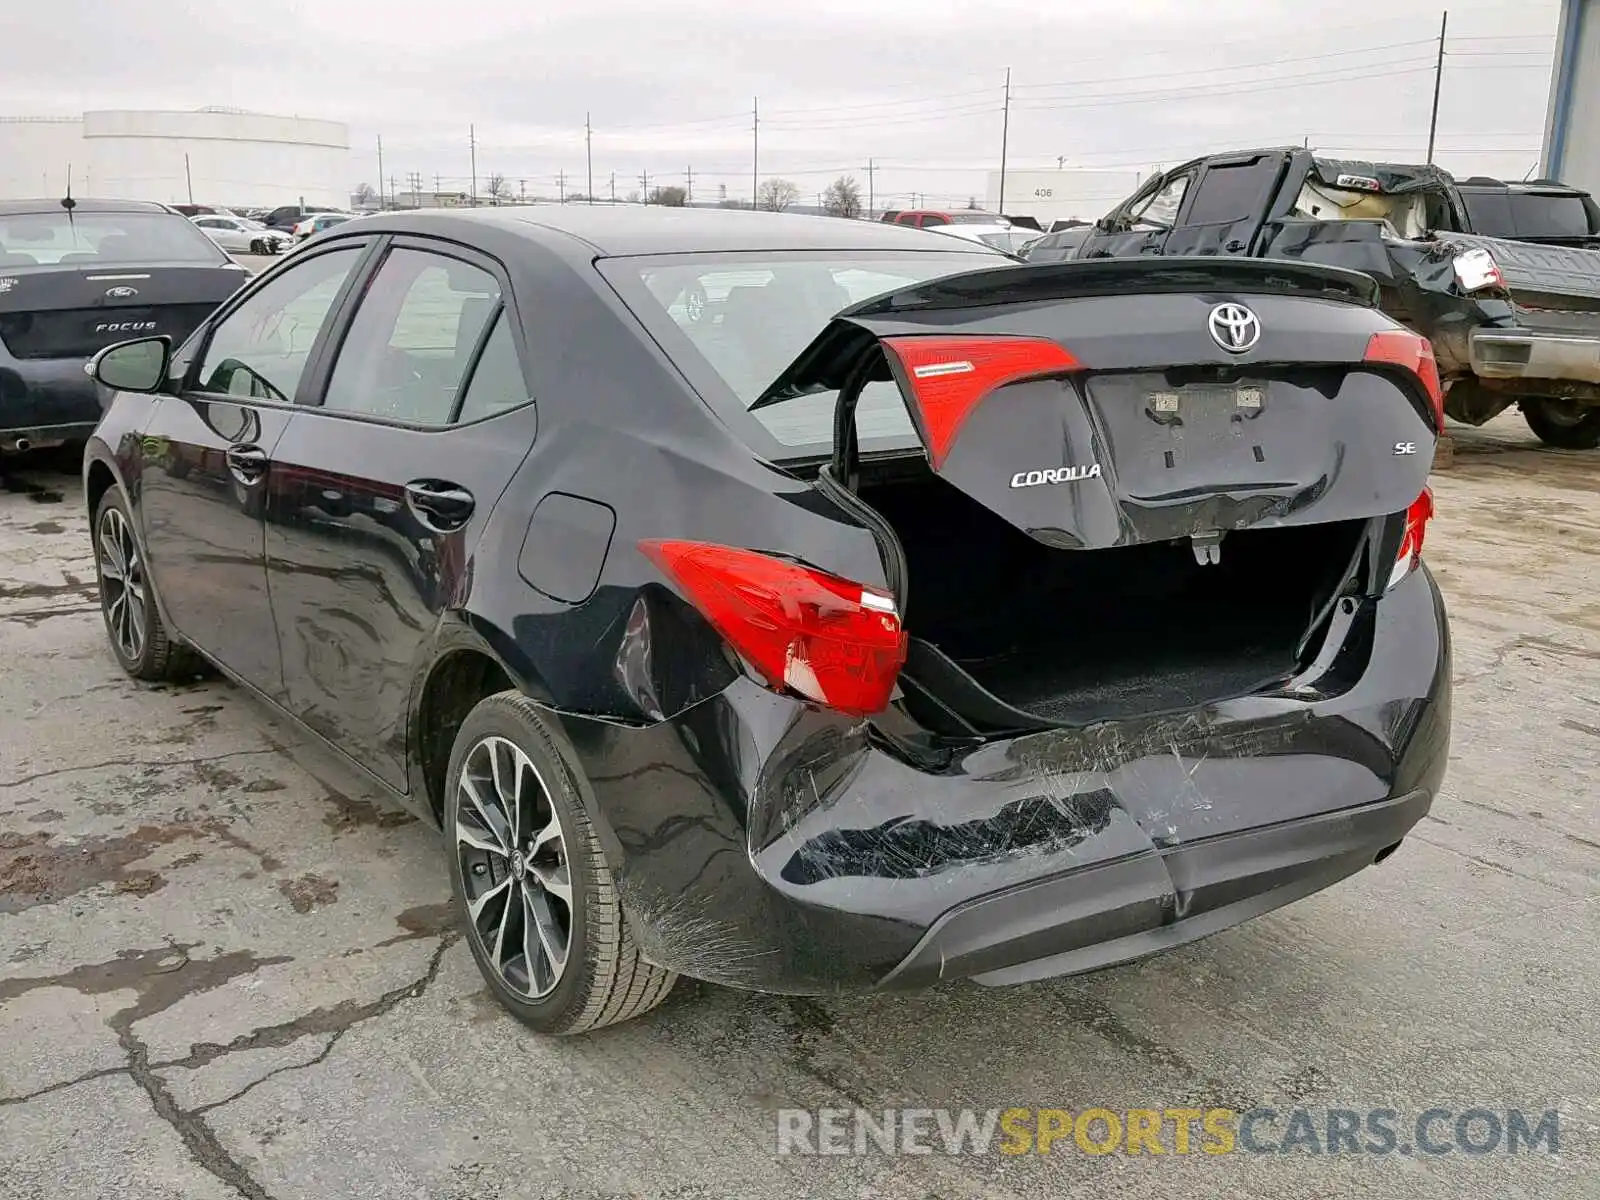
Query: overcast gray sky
(916,85)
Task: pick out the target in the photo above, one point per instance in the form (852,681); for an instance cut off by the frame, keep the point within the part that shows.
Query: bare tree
(365,194)
(670,197)
(775,195)
(843,197)
(498,189)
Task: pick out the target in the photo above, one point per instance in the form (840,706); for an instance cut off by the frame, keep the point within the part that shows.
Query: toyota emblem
(1234,327)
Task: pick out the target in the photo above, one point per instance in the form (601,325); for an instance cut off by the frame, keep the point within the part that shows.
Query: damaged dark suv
(909,615)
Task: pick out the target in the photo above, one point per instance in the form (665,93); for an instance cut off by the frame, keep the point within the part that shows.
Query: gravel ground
(229,970)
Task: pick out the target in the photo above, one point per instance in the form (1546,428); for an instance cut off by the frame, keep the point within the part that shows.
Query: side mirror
(137,366)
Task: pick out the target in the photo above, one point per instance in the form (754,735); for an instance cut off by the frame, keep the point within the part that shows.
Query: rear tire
(1563,423)
(140,641)
(542,915)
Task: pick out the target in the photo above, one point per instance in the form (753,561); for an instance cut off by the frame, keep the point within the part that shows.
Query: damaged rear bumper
(759,843)
(1526,354)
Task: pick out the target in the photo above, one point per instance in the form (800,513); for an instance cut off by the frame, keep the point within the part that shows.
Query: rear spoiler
(842,339)
(1082,278)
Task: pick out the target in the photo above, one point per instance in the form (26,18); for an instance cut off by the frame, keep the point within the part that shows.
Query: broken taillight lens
(827,639)
(1410,552)
(948,376)
(1413,352)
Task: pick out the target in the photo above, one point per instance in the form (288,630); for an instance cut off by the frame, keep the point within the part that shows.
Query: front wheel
(542,915)
(1563,423)
(138,638)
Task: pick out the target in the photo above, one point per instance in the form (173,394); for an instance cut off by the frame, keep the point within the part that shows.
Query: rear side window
(1159,209)
(1551,216)
(1235,192)
(733,323)
(497,382)
(406,354)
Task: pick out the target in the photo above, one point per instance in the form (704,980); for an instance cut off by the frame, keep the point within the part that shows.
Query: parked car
(289,215)
(315,223)
(1004,238)
(1542,211)
(240,236)
(1511,321)
(1101,629)
(929,218)
(1058,246)
(78,275)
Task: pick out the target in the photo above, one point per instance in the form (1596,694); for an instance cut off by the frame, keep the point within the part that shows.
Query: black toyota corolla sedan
(77,276)
(887,613)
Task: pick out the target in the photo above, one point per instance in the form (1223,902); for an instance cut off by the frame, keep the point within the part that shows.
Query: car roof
(638,229)
(13,208)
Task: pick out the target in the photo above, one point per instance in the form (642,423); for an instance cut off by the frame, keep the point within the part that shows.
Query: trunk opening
(1072,636)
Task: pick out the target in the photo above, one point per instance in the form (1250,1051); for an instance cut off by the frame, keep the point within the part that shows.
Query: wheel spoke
(468,836)
(541,973)
(136,617)
(551,938)
(493,821)
(555,880)
(506,793)
(110,569)
(550,833)
(476,907)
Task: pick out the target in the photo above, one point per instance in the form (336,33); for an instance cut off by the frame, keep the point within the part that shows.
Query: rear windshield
(975,218)
(102,239)
(1529,215)
(732,323)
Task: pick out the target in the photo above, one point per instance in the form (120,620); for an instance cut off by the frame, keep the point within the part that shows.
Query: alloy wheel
(515,869)
(123,594)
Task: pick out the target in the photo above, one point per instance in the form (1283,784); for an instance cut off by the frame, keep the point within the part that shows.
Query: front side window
(1159,210)
(413,338)
(259,350)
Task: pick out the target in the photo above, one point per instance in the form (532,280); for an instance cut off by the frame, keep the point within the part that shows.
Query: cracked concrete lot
(227,969)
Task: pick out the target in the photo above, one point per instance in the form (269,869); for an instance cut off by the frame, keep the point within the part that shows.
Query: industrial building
(1062,195)
(208,156)
(1572,121)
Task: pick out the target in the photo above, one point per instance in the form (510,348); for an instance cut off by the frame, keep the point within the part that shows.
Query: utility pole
(391,191)
(588,150)
(1438,79)
(613,187)
(438,184)
(472,144)
(1005,135)
(188,178)
(688,185)
(755,149)
(644,186)
(871,193)
(561,185)
(380,171)
(1061,161)
(522,190)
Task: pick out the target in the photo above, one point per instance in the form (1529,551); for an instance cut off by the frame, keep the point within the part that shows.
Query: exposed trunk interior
(1118,632)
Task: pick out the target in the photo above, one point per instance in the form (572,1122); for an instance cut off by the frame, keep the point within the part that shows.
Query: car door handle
(442,506)
(248,463)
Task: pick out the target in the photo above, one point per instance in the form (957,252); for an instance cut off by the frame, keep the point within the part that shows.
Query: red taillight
(832,641)
(949,375)
(1402,348)
(1410,552)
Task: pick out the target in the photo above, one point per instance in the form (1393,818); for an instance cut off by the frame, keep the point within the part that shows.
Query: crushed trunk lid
(1113,402)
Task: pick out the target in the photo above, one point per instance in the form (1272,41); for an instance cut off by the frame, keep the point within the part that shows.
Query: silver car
(238,235)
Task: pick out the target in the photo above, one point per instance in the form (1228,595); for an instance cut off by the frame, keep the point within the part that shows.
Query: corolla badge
(121,293)
(1024,479)
(1234,327)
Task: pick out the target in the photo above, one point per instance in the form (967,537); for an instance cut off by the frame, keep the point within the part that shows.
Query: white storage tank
(209,156)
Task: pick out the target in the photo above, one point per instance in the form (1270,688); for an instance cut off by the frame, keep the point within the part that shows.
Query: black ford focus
(798,604)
